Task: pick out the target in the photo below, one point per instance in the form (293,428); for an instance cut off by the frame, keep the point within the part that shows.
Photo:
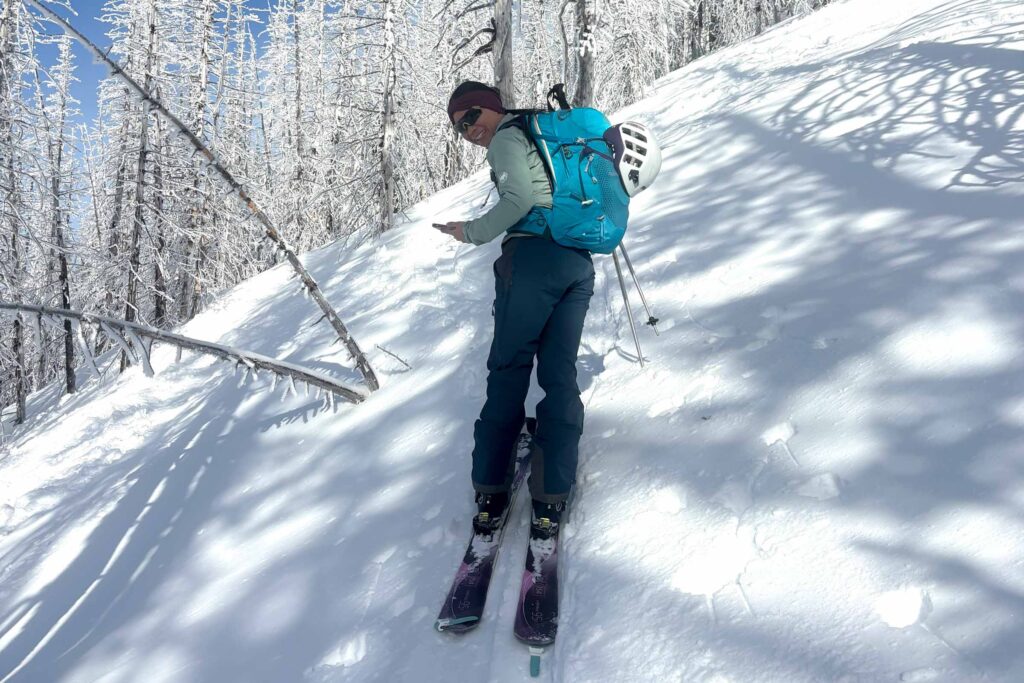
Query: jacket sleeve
(507,156)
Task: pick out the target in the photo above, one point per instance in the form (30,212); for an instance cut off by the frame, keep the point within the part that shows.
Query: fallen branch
(381,348)
(132,338)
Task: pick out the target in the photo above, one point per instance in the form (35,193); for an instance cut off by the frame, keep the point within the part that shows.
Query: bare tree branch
(475,8)
(483,49)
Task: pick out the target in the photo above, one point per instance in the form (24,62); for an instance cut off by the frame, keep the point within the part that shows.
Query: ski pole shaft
(651,320)
(629,313)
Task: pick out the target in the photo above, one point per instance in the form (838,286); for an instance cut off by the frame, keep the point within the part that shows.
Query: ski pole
(651,320)
(629,313)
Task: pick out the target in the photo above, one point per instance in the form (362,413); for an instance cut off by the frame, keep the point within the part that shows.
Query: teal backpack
(590,207)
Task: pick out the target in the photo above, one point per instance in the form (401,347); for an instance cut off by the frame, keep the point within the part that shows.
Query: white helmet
(637,155)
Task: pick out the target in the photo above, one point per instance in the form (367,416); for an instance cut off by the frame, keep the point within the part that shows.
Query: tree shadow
(225,556)
(843,247)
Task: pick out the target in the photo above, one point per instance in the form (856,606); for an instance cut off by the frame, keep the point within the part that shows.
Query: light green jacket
(521,179)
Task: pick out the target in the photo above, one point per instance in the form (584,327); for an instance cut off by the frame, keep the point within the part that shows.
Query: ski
(464,605)
(537,611)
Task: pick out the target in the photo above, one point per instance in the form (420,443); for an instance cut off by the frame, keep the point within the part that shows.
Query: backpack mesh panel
(614,199)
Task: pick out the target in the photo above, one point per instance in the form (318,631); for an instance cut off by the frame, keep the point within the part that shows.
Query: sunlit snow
(816,477)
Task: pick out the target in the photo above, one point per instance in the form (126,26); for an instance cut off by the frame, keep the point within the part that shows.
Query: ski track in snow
(815,478)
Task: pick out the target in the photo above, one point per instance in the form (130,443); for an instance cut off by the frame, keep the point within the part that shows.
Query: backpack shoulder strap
(526,111)
(523,122)
(520,122)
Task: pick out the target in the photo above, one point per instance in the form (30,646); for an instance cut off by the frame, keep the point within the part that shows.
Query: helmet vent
(637,155)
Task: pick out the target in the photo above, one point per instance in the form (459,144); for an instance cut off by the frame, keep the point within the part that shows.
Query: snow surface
(817,477)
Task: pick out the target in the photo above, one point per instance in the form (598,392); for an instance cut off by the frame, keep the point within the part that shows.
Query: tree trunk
(18,341)
(502,53)
(62,255)
(19,372)
(69,340)
(197,288)
(159,278)
(697,34)
(10,210)
(114,237)
(131,308)
(298,176)
(198,104)
(584,56)
(388,124)
(452,158)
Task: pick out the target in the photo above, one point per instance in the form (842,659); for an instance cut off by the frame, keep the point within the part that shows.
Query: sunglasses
(467,120)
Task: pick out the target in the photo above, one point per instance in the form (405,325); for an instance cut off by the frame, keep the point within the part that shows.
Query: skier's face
(477,125)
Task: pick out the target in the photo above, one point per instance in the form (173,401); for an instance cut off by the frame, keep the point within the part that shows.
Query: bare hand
(455,229)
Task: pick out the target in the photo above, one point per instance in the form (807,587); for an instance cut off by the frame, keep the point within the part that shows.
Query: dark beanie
(474,94)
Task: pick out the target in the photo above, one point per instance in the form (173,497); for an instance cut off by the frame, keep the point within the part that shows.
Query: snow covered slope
(818,476)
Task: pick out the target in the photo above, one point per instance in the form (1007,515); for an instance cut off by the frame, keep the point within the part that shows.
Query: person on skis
(542,293)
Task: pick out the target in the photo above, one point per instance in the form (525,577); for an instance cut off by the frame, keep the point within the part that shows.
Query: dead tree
(503,51)
(498,45)
(390,82)
(583,47)
(131,312)
(11,204)
(136,341)
(57,143)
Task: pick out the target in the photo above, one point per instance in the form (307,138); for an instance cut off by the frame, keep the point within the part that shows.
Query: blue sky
(87,72)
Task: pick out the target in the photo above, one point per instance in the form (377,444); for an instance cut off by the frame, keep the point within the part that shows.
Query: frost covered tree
(706,25)
(33,182)
(197,58)
(385,120)
(116,140)
(15,61)
(161,223)
(286,71)
(139,218)
(58,108)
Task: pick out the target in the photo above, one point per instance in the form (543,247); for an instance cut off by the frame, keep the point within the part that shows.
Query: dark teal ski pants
(542,292)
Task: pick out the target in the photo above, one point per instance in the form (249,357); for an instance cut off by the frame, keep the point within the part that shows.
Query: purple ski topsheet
(537,612)
(464,605)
